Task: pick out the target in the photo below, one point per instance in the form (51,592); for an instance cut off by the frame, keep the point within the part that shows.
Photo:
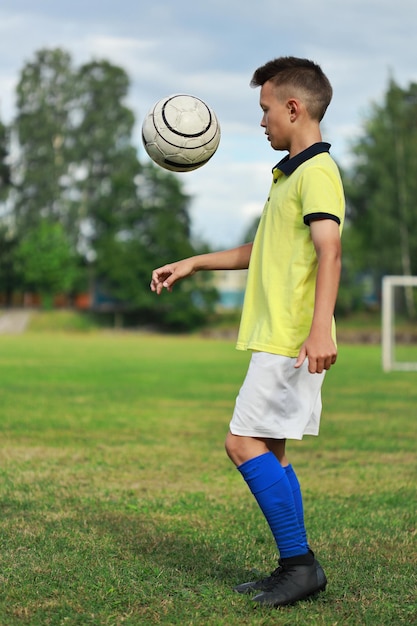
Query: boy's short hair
(302,74)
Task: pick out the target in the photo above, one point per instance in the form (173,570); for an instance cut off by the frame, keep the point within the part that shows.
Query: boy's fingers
(160,279)
(301,357)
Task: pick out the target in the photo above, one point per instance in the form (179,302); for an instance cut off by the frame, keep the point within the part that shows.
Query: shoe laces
(270,581)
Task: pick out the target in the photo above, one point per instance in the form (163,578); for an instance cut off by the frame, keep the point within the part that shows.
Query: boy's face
(276,116)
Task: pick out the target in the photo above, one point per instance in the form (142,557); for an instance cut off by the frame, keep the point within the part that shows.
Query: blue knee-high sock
(298,498)
(268,482)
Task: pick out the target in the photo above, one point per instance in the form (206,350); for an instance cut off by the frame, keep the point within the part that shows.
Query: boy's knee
(240,449)
(231,446)
(236,448)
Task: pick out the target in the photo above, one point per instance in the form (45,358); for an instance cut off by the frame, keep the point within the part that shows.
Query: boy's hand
(167,275)
(321,356)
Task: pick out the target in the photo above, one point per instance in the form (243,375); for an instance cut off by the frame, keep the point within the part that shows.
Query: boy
(287,318)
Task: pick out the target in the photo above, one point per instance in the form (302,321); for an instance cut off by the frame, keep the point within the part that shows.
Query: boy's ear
(294,108)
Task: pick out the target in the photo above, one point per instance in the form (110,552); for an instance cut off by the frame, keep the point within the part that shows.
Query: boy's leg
(268,482)
(276,446)
(278,398)
(298,499)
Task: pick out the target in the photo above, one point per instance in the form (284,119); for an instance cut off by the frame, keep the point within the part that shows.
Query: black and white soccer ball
(181,133)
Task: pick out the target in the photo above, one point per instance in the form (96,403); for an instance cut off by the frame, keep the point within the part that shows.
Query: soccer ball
(181,133)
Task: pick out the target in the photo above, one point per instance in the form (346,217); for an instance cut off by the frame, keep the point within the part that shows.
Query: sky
(210,49)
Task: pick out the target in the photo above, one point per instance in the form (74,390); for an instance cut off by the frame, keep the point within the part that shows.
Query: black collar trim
(288,166)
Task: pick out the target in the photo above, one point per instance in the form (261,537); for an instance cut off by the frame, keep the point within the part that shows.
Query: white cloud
(228,196)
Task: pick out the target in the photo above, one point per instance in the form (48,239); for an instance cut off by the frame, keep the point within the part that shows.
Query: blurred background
(85,216)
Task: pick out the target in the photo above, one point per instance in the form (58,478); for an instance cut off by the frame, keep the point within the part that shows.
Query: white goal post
(388,322)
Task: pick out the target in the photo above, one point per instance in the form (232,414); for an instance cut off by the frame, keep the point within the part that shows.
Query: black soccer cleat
(265,584)
(293,582)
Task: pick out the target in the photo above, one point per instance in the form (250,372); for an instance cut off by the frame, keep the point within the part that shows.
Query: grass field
(118,505)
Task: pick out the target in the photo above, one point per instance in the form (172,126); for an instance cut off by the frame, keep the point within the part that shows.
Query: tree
(47,261)
(44,100)
(382,184)
(104,157)
(9,279)
(78,169)
(157,231)
(4,165)
(136,215)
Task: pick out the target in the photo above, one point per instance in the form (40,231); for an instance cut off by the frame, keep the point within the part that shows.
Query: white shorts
(276,400)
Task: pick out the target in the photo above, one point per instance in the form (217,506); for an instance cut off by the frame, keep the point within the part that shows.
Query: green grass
(118,505)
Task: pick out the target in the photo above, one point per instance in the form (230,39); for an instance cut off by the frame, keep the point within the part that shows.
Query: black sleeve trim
(312,217)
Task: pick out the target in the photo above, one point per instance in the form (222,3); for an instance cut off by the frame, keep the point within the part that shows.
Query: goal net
(399,326)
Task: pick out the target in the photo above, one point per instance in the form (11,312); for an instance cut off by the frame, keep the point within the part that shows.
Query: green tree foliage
(8,275)
(4,165)
(104,158)
(46,260)
(44,101)
(157,232)
(78,174)
(10,278)
(381,186)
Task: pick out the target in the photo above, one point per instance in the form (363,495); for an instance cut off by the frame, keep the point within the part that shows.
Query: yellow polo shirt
(279,298)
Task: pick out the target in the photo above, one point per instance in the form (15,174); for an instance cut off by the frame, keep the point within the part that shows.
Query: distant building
(231,287)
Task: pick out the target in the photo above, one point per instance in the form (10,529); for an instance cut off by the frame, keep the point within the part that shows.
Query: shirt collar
(287,166)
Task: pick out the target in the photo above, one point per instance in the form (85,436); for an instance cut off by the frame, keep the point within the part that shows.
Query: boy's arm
(167,275)
(319,346)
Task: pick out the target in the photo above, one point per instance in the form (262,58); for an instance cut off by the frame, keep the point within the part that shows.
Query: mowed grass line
(118,505)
